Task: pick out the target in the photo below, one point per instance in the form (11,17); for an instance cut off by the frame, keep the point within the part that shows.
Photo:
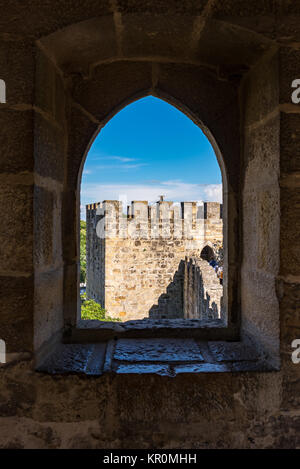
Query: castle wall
(202,291)
(135,270)
(95,254)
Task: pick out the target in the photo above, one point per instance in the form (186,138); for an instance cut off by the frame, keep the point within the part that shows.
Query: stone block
(75,358)
(16,230)
(139,350)
(165,36)
(258,16)
(82,130)
(289,63)
(47,228)
(17,69)
(113,85)
(289,294)
(289,231)
(289,142)
(45,83)
(141,368)
(161,7)
(71,294)
(77,47)
(232,351)
(50,146)
(192,86)
(17,134)
(260,309)
(16,316)
(261,90)
(48,306)
(49,17)
(262,154)
(233,51)
(268,230)
(60,111)
(202,368)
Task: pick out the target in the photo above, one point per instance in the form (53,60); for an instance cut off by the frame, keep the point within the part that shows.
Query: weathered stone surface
(290,241)
(191,86)
(48,305)
(261,153)
(261,205)
(231,351)
(201,368)
(171,323)
(165,7)
(86,359)
(48,250)
(259,16)
(82,130)
(16,230)
(49,17)
(289,142)
(153,350)
(233,50)
(71,293)
(50,149)
(17,65)
(45,83)
(84,44)
(17,154)
(202,291)
(289,294)
(260,318)
(139,368)
(137,270)
(261,90)
(128,79)
(289,62)
(166,36)
(16,318)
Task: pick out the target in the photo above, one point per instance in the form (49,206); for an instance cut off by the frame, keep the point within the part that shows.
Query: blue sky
(148,149)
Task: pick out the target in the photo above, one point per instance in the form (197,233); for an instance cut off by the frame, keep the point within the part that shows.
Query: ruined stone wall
(95,254)
(203,293)
(141,257)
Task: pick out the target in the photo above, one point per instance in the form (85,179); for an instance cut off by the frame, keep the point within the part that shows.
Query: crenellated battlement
(142,209)
(164,219)
(135,256)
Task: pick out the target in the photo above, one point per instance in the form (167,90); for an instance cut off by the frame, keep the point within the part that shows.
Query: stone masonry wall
(135,269)
(202,293)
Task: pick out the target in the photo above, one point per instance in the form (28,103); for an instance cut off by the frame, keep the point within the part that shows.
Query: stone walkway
(166,357)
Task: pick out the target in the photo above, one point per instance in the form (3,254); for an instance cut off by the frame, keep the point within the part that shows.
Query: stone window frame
(87,330)
(74,97)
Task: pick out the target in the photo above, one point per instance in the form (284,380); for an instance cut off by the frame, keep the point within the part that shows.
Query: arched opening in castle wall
(68,68)
(135,253)
(87,101)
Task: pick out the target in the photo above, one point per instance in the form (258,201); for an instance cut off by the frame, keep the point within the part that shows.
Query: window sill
(161,356)
(92,331)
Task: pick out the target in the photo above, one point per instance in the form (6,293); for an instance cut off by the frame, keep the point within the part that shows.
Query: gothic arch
(89,90)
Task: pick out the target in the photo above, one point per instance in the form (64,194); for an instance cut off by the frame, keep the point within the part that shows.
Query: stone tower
(135,262)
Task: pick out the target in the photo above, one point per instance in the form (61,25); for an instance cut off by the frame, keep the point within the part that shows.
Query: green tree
(82,251)
(92,310)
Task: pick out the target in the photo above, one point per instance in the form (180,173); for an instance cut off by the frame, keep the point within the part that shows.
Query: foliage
(92,310)
(82,251)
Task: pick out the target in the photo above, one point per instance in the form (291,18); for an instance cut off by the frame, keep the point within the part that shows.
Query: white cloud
(122,159)
(86,171)
(177,191)
(122,167)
